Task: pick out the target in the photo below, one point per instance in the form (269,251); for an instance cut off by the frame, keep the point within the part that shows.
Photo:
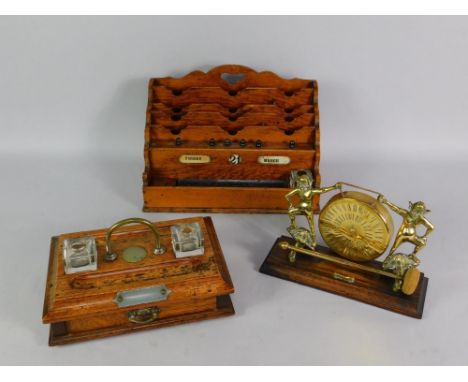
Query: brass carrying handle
(111,256)
(143,316)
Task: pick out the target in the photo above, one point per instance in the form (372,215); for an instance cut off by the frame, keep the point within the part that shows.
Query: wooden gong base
(359,285)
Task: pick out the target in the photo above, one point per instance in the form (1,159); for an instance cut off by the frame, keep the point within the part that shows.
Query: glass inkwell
(187,240)
(79,255)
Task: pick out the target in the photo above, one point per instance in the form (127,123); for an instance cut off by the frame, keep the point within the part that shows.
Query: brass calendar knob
(356,226)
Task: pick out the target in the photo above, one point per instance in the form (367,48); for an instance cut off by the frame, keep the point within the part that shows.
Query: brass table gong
(357,229)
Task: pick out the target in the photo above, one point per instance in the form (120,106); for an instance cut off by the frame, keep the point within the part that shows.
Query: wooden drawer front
(121,319)
(166,164)
(110,325)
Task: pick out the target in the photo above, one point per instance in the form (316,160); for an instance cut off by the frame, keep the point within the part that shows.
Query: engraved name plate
(187,158)
(274,159)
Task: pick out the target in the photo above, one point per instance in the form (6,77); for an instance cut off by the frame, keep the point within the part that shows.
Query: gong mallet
(410,278)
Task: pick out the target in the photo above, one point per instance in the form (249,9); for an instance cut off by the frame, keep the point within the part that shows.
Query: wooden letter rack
(227,140)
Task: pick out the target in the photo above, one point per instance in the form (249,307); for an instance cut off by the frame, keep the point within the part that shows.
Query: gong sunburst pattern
(355,226)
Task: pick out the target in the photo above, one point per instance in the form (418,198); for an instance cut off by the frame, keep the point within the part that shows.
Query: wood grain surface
(246,107)
(84,303)
(369,288)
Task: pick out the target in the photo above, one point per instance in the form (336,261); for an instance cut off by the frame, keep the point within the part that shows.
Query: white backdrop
(393,104)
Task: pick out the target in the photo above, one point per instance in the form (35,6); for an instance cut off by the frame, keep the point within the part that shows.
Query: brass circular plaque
(356,226)
(134,254)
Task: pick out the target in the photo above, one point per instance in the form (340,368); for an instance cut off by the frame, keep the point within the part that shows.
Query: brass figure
(411,219)
(400,263)
(302,237)
(305,191)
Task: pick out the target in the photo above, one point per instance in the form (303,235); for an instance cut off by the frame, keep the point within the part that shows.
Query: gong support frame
(359,284)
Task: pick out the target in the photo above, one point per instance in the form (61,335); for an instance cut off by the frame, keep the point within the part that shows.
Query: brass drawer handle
(143,316)
(111,256)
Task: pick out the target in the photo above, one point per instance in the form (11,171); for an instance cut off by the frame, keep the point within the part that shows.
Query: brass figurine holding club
(400,263)
(305,192)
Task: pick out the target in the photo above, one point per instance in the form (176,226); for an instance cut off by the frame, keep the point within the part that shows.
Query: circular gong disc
(356,226)
(134,254)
